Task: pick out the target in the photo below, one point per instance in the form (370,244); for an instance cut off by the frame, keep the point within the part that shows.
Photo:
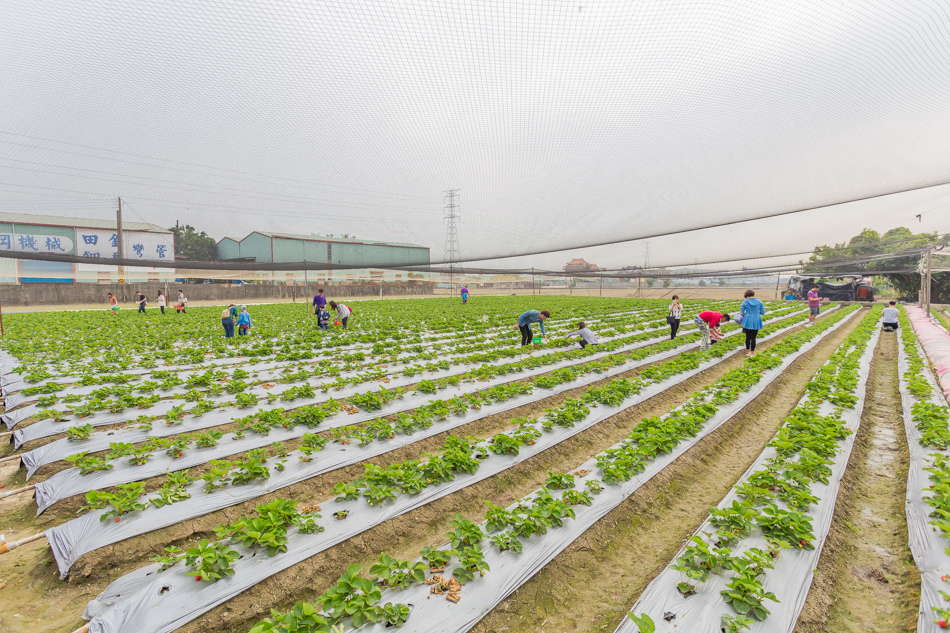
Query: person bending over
(525,321)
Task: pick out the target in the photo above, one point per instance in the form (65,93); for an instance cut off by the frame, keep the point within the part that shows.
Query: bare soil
(593,583)
(866,580)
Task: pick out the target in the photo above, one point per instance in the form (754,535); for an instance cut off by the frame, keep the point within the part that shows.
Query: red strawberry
(803,543)
(773,488)
(198,578)
(117,519)
(942,624)
(944,578)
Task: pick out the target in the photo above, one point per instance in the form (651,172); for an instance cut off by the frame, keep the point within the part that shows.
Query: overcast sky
(563,124)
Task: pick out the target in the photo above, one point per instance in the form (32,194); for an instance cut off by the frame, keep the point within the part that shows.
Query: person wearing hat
(244,322)
(227,320)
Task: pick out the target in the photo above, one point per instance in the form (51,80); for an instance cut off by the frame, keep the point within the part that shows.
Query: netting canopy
(562,124)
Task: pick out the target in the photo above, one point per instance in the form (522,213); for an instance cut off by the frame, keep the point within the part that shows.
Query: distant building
(95,240)
(579,266)
(364,255)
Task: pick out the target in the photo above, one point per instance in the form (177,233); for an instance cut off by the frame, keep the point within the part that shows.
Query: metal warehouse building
(94,239)
(291,248)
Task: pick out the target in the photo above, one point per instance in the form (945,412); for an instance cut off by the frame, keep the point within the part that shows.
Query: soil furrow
(591,585)
(866,580)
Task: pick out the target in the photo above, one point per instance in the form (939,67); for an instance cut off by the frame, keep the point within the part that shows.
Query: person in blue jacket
(525,321)
(244,322)
(751,312)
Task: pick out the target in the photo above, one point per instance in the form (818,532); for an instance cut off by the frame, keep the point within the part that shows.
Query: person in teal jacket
(244,322)
(751,312)
(525,321)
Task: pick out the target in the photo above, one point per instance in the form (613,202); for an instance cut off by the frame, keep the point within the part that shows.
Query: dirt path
(591,585)
(866,580)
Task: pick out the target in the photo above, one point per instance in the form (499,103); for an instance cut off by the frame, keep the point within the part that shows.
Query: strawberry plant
(173,556)
(506,541)
(471,561)
(643,622)
(79,433)
(353,597)
(559,481)
(577,497)
(88,463)
(436,557)
(397,573)
(211,561)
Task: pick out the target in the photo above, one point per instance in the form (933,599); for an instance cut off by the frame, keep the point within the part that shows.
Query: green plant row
(216,382)
(97,343)
(544,511)
(933,422)
(775,499)
(254,464)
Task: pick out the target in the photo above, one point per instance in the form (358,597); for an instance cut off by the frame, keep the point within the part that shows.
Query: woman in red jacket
(708,323)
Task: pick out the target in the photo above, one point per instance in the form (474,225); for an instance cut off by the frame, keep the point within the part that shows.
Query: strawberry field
(423,471)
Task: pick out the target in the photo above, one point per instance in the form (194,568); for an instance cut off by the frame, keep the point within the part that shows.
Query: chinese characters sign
(104,244)
(24,243)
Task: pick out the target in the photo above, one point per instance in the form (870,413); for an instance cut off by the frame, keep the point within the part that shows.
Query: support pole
(927,284)
(120,243)
(601,286)
(778,279)
(9,547)
(16,492)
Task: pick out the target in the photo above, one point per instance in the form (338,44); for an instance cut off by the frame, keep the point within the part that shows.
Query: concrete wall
(78,294)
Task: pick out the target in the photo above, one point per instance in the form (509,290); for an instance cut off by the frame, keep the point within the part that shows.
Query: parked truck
(847,288)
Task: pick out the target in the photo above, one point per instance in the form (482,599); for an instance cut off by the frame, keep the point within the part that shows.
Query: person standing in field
(525,321)
(113,304)
(244,322)
(890,315)
(464,294)
(814,305)
(232,309)
(141,300)
(676,312)
(180,306)
(708,324)
(342,312)
(227,321)
(586,336)
(161,301)
(319,302)
(752,310)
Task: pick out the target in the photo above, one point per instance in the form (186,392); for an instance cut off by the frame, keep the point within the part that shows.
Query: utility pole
(451,251)
(601,286)
(927,285)
(778,279)
(119,241)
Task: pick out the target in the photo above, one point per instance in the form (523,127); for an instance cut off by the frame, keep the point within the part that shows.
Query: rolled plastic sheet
(928,546)
(936,343)
(146,600)
(793,570)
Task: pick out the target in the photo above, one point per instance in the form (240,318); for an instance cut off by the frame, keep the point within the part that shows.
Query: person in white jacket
(587,337)
(342,312)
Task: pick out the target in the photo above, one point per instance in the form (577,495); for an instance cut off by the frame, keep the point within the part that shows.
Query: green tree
(722,282)
(651,282)
(190,244)
(667,283)
(702,283)
(904,246)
